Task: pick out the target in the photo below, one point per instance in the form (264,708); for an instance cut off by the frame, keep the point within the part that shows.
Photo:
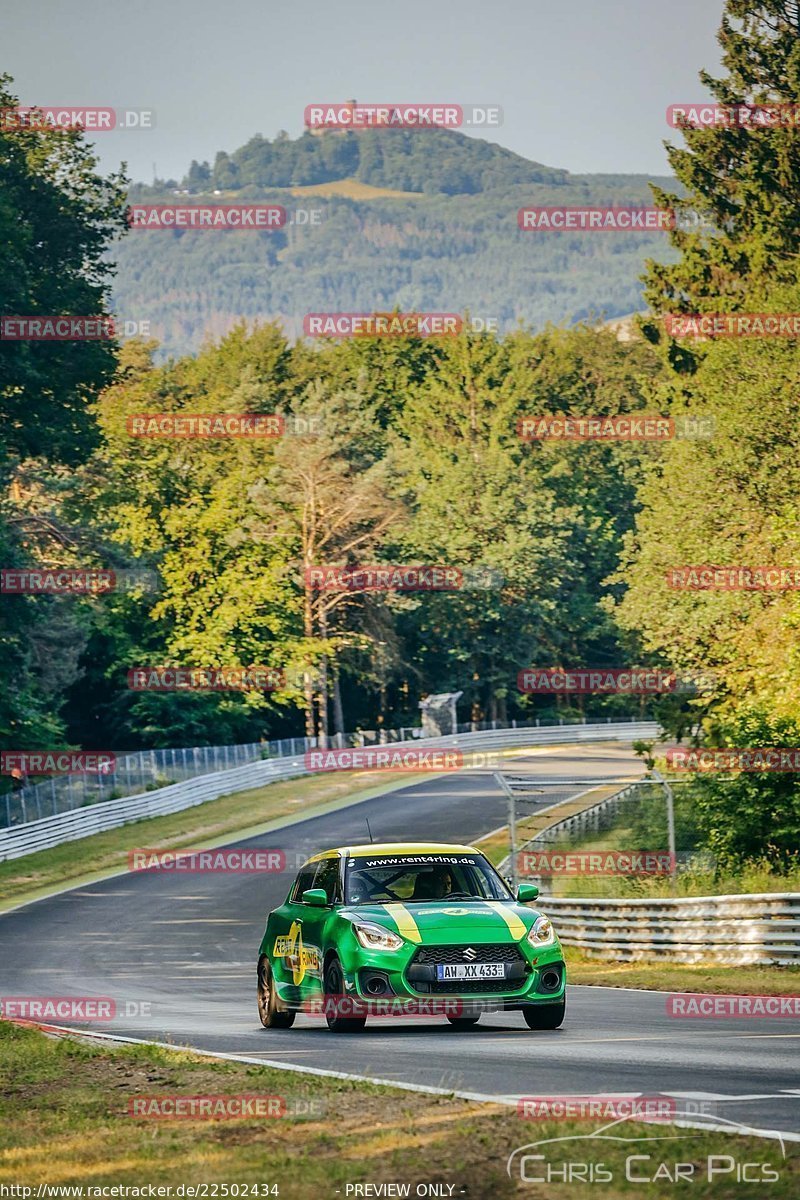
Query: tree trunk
(322,696)
(338,711)
(308,685)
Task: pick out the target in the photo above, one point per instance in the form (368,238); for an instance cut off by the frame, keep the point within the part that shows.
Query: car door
(314,920)
(285,936)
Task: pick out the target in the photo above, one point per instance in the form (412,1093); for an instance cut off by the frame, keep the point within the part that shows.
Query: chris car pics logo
(613,1154)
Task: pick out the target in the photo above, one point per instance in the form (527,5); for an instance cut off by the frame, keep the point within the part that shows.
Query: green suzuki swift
(406,927)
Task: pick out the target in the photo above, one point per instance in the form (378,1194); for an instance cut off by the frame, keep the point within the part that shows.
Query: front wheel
(335,1001)
(270,1015)
(544,1016)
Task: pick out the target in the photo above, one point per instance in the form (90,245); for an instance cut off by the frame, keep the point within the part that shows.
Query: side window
(304,881)
(327,877)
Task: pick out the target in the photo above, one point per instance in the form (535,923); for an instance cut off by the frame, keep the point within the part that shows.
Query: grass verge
(64,1121)
(682,977)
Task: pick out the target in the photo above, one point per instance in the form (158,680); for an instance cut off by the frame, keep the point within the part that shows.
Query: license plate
(470,971)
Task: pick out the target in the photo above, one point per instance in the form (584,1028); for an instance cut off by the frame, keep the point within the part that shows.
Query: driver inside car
(433,885)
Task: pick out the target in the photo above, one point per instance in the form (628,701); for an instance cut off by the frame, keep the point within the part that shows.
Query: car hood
(442,923)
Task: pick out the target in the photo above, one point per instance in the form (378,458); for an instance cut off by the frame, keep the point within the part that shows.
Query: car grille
(464,987)
(507,953)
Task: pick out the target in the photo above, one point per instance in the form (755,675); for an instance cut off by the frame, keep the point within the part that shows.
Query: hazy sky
(583,83)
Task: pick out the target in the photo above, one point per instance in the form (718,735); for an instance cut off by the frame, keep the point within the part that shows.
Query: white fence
(110,814)
(735,930)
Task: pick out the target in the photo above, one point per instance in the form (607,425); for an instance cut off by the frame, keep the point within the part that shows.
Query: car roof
(372,848)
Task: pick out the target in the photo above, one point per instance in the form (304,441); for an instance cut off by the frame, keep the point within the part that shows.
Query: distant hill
(423,220)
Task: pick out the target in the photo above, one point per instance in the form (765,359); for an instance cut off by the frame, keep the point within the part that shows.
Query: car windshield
(422,878)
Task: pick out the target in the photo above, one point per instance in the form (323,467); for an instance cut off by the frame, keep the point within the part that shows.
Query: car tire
(269,1012)
(544,1016)
(333,986)
(463,1022)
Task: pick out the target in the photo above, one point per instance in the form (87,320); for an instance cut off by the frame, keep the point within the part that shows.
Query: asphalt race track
(185,945)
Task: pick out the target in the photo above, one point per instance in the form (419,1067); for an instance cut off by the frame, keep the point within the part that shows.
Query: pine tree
(745,180)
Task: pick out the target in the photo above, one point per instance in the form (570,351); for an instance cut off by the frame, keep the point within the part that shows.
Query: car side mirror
(526,892)
(317,897)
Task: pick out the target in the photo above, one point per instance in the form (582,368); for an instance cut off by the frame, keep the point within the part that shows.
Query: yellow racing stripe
(404,921)
(515,924)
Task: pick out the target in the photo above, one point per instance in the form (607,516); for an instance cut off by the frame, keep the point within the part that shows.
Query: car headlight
(541,932)
(375,937)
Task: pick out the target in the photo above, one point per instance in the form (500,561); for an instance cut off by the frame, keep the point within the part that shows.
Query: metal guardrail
(594,817)
(732,930)
(110,814)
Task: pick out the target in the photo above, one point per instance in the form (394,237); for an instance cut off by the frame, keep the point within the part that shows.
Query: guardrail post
(512,838)
(670,826)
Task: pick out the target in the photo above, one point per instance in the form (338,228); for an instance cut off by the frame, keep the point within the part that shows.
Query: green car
(392,928)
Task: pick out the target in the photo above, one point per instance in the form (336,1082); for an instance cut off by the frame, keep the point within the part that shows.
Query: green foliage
(753,815)
(746,179)
(57,218)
